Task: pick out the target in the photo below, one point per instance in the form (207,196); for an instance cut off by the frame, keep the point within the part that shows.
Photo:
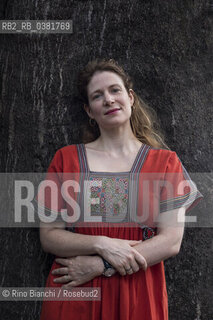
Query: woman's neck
(116,140)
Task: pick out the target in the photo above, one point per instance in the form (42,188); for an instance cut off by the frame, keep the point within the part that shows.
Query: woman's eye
(96,96)
(115,90)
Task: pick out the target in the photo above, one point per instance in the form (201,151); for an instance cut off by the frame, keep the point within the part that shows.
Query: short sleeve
(178,189)
(49,202)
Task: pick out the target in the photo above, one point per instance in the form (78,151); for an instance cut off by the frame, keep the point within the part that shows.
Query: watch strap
(108,269)
(107,265)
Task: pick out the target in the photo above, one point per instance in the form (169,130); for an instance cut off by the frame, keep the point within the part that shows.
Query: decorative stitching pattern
(148,233)
(109,195)
(120,205)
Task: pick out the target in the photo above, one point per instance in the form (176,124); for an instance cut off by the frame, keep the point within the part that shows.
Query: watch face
(109,272)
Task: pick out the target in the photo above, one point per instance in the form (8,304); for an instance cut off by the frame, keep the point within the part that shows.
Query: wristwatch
(108,269)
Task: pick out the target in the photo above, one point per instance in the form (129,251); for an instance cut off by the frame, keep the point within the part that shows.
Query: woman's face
(109,102)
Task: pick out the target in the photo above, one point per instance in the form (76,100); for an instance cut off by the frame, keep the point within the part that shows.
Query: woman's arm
(165,244)
(168,240)
(62,243)
(120,253)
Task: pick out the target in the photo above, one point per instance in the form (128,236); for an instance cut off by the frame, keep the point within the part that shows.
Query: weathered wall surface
(165,46)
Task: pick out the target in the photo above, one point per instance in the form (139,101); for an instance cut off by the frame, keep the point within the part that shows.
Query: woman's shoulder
(162,153)
(159,159)
(72,148)
(66,159)
(66,152)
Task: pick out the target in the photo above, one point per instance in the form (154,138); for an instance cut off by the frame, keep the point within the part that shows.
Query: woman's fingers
(63,262)
(128,267)
(136,262)
(130,270)
(134,267)
(63,279)
(68,285)
(60,271)
(78,270)
(138,257)
(131,263)
(133,243)
(72,284)
(121,270)
(122,255)
(141,260)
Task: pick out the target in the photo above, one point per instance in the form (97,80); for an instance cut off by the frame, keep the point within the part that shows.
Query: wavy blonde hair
(143,119)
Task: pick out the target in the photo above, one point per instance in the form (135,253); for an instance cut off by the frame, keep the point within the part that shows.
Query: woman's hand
(78,270)
(121,254)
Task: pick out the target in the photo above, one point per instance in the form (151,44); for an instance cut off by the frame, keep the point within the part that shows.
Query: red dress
(156,174)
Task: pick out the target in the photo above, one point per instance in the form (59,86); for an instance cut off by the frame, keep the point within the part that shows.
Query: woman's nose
(108,98)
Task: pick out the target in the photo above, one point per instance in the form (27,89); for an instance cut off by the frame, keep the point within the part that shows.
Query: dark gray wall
(165,46)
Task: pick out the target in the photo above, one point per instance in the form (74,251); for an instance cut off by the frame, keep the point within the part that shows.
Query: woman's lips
(112,111)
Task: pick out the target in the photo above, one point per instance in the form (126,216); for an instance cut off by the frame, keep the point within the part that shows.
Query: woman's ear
(131,96)
(88,110)
(86,107)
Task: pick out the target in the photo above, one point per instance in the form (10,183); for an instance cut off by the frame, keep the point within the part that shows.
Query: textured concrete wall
(165,46)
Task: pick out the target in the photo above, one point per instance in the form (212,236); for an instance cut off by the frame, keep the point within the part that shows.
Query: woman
(132,226)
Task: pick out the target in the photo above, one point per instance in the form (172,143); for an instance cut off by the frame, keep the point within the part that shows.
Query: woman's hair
(143,119)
